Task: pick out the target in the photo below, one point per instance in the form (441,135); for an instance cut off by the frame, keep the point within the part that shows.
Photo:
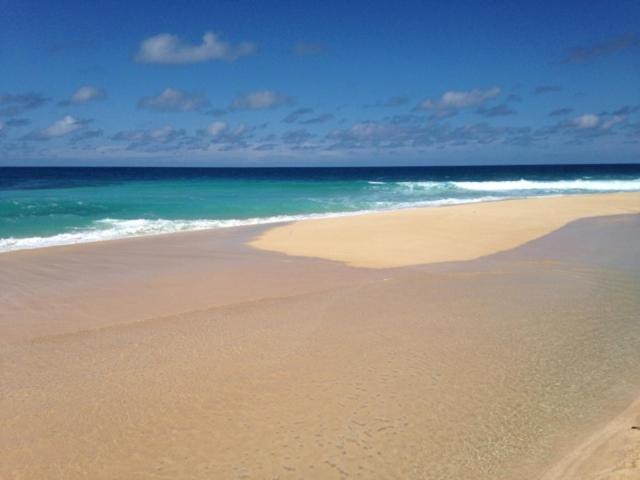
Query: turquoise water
(55,206)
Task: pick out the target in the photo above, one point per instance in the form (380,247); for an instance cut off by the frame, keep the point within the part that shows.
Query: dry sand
(444,234)
(194,356)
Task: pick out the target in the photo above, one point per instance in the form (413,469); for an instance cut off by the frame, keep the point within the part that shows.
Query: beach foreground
(197,356)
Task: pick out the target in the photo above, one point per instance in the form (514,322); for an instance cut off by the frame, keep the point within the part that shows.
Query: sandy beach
(490,341)
(445,234)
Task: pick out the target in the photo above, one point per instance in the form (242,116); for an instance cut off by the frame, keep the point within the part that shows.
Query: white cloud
(592,124)
(612,122)
(454,99)
(222,133)
(242,130)
(152,136)
(171,100)
(62,127)
(588,120)
(161,134)
(216,129)
(260,100)
(86,94)
(169,49)
(369,130)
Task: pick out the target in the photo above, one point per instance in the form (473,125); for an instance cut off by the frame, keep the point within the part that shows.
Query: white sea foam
(422,185)
(112,229)
(560,185)
(583,185)
(386,206)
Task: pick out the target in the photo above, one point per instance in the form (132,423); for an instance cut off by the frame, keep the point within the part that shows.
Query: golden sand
(443,234)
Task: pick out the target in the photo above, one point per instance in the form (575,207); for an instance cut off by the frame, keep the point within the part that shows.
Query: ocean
(57,206)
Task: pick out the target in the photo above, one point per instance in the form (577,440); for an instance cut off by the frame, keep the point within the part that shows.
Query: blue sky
(319,83)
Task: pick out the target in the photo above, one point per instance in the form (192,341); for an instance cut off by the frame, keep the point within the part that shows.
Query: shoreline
(293,219)
(610,452)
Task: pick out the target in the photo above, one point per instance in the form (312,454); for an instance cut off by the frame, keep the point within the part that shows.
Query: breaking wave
(522,185)
(558,185)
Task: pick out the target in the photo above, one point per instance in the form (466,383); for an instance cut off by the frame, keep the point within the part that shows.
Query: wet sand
(59,290)
(196,356)
(612,452)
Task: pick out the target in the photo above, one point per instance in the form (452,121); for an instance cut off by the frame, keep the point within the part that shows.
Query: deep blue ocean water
(55,206)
